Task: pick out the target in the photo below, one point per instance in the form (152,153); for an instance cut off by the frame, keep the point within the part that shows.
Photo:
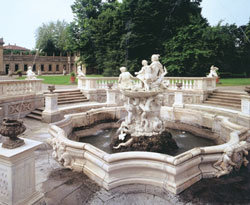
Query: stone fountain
(143,128)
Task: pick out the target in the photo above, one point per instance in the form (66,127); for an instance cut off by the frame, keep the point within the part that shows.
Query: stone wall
(19,106)
(46,64)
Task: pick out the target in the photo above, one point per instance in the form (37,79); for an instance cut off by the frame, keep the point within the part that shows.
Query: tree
(188,53)
(51,37)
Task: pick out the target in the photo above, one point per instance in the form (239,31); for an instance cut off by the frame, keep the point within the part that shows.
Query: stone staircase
(225,99)
(36,114)
(64,97)
(70,96)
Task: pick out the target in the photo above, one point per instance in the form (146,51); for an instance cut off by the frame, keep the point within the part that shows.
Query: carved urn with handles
(11,129)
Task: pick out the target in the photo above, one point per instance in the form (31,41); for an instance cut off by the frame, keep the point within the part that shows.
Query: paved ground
(64,187)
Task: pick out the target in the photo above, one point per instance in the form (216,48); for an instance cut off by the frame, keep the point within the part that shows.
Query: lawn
(234,81)
(57,79)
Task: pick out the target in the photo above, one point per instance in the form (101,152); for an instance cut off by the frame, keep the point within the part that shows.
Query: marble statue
(142,102)
(125,80)
(30,74)
(213,72)
(79,72)
(233,157)
(144,74)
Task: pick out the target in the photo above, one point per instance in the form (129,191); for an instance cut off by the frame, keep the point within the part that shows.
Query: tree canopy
(51,37)
(110,34)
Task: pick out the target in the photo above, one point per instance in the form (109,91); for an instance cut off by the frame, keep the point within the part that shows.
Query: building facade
(14,61)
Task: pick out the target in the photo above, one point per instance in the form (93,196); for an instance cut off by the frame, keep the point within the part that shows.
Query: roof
(15,47)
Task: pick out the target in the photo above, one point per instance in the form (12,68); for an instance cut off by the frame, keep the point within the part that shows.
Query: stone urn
(179,85)
(11,129)
(110,85)
(51,88)
(247,89)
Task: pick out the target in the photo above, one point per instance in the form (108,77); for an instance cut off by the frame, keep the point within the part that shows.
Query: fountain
(138,144)
(143,128)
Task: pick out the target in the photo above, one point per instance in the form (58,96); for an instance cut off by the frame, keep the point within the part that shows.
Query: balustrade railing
(188,83)
(20,87)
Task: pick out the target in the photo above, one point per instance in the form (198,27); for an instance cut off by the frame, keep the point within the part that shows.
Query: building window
(42,67)
(34,67)
(25,67)
(57,67)
(50,67)
(16,67)
(7,68)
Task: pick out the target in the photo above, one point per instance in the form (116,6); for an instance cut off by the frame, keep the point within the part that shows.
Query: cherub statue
(225,164)
(125,79)
(30,74)
(213,73)
(79,72)
(144,74)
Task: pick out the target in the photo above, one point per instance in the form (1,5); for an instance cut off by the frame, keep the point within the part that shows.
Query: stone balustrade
(188,83)
(20,87)
(88,83)
(191,83)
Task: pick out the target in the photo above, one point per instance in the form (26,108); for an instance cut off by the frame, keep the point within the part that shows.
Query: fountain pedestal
(17,174)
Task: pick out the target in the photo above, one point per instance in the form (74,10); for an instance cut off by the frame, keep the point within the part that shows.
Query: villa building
(14,58)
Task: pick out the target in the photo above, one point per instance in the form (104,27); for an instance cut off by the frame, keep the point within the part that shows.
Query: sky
(19,19)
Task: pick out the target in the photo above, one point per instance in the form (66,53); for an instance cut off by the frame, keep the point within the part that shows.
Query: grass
(234,81)
(57,79)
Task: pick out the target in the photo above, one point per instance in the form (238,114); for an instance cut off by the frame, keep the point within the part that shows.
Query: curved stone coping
(171,173)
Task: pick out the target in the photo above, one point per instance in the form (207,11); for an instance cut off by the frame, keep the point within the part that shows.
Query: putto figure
(30,74)
(213,72)
(79,72)
(125,79)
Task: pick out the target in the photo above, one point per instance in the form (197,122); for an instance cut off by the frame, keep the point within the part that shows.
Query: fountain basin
(172,173)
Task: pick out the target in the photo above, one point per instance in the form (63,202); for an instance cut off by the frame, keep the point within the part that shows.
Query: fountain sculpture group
(143,128)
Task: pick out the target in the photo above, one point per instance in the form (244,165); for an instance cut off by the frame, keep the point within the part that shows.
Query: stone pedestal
(111,96)
(51,112)
(178,99)
(17,174)
(245,105)
(81,83)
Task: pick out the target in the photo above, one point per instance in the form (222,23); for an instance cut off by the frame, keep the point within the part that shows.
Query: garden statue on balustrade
(30,74)
(79,72)
(213,72)
(143,129)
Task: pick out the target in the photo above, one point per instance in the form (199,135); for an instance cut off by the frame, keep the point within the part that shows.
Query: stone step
(34,116)
(222,104)
(229,92)
(229,100)
(72,101)
(225,95)
(70,96)
(67,91)
(75,98)
(37,112)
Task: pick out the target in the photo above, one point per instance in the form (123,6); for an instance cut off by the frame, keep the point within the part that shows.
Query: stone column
(111,96)
(245,105)
(178,99)
(1,56)
(51,112)
(17,174)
